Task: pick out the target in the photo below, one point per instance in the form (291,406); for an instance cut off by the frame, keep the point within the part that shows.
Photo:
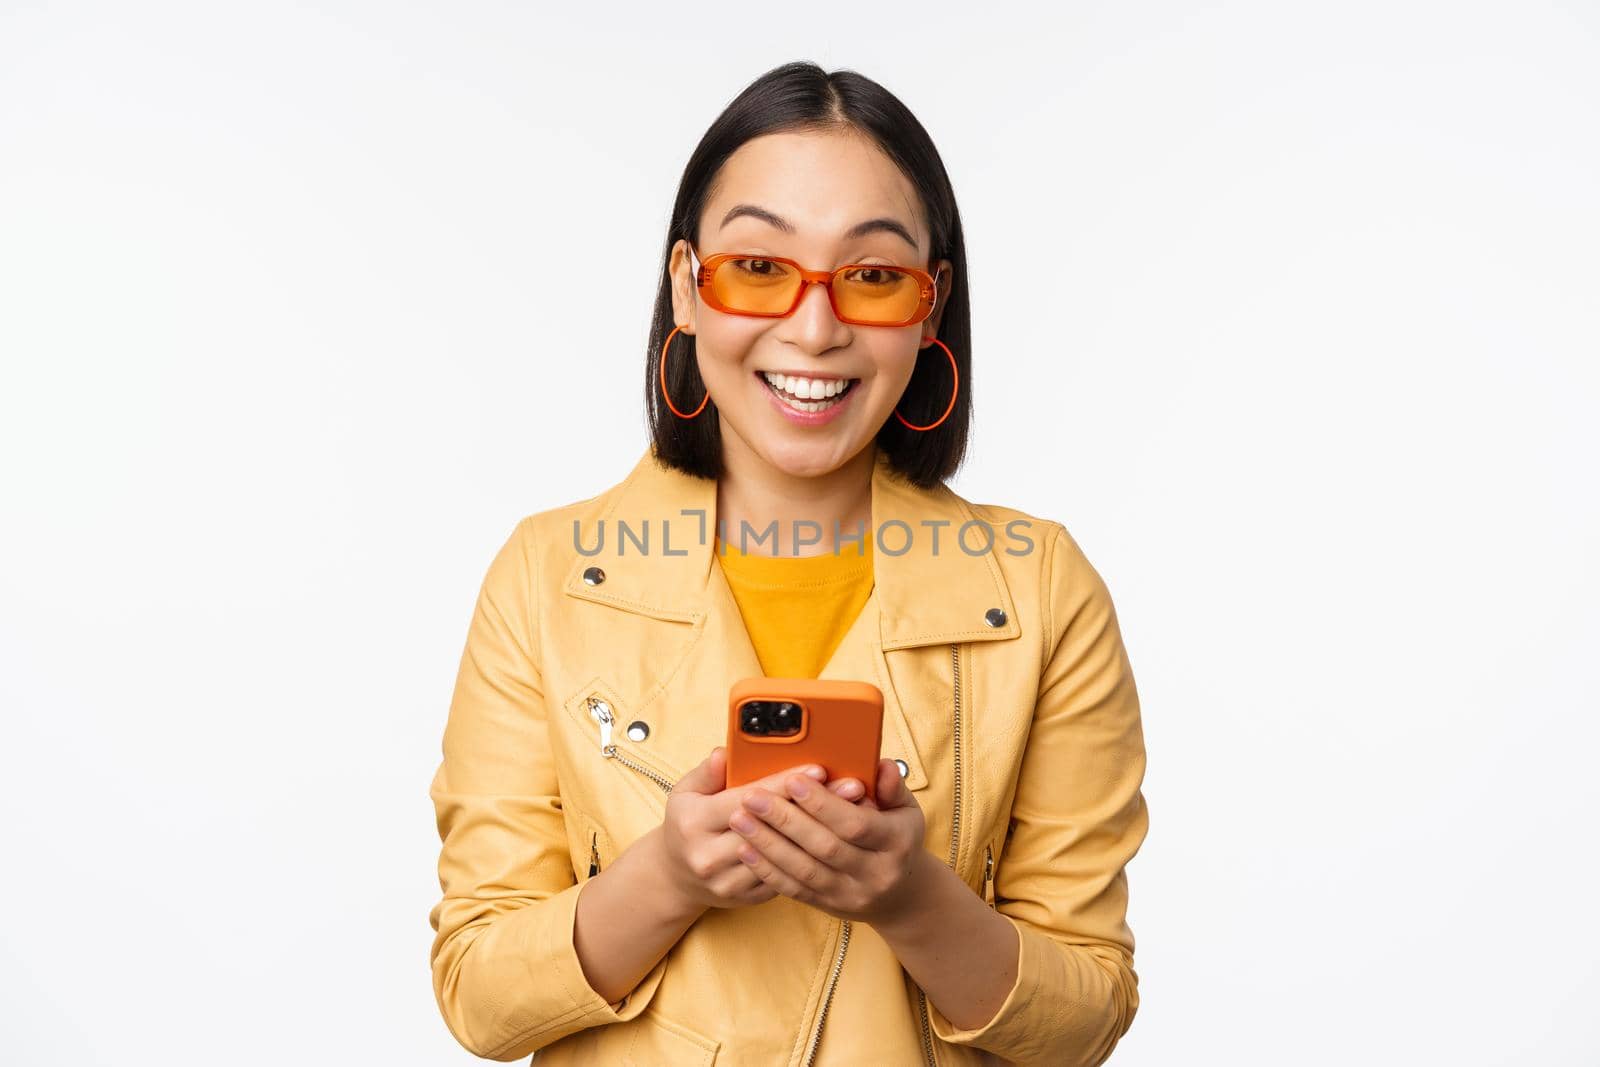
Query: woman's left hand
(852,859)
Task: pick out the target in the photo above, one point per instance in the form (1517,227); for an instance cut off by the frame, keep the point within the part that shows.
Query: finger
(759,892)
(850,789)
(771,876)
(775,780)
(728,873)
(781,863)
(733,877)
(723,857)
(888,784)
(710,775)
(772,783)
(801,827)
(853,824)
(892,791)
(740,885)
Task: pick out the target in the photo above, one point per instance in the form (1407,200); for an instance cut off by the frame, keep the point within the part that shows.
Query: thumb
(891,788)
(710,775)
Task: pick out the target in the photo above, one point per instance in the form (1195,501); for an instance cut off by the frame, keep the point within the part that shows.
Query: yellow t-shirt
(797,609)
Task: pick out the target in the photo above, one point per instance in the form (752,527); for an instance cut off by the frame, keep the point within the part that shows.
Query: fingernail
(817,772)
(799,787)
(851,789)
(758,802)
(742,822)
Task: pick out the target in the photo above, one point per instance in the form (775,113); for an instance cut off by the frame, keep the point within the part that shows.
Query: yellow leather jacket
(596,674)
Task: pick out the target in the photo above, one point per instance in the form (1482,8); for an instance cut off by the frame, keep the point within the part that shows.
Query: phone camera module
(770,718)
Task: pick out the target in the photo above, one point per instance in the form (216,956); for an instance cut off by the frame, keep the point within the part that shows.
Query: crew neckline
(846,564)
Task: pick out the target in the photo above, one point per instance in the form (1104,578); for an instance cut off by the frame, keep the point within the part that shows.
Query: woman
(606,898)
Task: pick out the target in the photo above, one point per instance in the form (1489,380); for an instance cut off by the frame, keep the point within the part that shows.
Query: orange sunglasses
(865,294)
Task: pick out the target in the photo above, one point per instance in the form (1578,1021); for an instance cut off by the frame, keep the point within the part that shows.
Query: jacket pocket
(657,1040)
(601,720)
(649,1040)
(993,851)
(587,842)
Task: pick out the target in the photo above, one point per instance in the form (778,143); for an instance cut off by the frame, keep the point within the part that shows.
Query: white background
(289,345)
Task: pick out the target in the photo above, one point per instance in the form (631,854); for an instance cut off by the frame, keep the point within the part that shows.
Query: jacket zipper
(601,712)
(928,1052)
(833,980)
(594,854)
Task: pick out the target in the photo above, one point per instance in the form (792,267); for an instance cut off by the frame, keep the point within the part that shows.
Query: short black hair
(802,96)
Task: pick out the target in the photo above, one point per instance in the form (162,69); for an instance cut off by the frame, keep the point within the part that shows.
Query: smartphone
(778,723)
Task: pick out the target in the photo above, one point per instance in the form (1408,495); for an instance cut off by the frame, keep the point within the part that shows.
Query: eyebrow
(860,229)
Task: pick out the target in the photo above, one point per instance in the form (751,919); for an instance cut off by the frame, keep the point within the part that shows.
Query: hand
(699,852)
(853,861)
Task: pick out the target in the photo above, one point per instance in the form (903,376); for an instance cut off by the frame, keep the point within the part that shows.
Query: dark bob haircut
(801,96)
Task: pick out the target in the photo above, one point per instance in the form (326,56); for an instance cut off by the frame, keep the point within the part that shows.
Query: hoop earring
(668,399)
(955,374)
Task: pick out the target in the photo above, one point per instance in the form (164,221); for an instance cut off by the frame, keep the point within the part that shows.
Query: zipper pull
(988,868)
(594,855)
(602,715)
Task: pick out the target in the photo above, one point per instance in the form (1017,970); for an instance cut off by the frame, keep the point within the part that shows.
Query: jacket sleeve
(505,969)
(1079,816)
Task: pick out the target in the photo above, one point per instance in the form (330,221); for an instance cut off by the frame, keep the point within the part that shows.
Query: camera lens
(754,717)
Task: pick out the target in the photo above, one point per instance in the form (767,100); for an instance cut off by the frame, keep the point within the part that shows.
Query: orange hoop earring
(664,395)
(955,374)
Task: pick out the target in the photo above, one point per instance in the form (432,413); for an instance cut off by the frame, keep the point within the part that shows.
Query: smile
(808,395)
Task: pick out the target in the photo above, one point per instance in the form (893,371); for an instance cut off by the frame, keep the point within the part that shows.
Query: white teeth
(807,388)
(807,394)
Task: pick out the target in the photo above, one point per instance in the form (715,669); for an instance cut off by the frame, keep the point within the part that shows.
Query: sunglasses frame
(705,269)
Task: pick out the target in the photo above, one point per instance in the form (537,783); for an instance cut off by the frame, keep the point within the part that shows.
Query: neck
(766,510)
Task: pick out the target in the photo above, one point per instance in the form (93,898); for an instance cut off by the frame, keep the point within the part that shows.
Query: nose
(815,309)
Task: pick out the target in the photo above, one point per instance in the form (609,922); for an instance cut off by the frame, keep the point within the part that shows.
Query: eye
(874,276)
(758,267)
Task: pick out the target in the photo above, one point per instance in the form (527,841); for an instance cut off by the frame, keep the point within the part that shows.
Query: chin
(808,459)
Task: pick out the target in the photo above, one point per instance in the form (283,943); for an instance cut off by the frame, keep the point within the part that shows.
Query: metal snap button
(995,617)
(594,575)
(638,730)
(903,766)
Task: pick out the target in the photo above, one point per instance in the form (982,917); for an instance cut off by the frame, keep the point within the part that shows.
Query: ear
(944,274)
(685,298)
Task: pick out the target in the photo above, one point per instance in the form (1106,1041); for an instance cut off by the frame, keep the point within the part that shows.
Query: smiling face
(804,196)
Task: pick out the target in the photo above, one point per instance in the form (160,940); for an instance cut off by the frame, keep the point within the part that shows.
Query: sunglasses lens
(877,294)
(870,294)
(756,286)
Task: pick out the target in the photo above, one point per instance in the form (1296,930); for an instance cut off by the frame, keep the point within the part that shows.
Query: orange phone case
(841,728)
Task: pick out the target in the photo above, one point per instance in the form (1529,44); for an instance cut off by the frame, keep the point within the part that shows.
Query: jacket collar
(655,536)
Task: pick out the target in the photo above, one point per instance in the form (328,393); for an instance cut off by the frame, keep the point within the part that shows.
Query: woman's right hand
(700,852)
